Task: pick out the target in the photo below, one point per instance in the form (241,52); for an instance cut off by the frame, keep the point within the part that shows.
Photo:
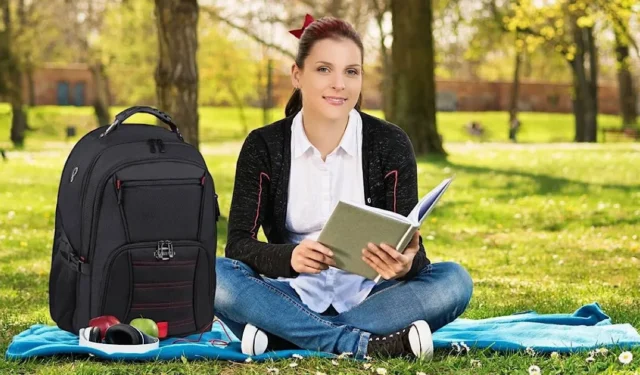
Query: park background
(547,221)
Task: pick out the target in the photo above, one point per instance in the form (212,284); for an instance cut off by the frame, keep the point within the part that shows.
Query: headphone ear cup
(123,334)
(146,339)
(94,334)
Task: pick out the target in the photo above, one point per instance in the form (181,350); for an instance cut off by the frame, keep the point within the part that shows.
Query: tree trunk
(100,95)
(267,102)
(31,84)
(177,71)
(5,50)
(628,96)
(585,85)
(14,80)
(414,91)
(240,105)
(386,83)
(515,88)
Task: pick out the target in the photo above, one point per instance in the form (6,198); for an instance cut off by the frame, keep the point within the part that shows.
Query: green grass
(223,124)
(545,227)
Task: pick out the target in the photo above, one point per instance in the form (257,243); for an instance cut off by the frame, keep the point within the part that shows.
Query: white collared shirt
(315,187)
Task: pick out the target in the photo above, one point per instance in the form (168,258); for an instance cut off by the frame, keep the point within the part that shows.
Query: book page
(428,202)
(380,211)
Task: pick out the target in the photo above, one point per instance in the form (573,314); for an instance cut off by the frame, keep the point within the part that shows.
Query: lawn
(223,124)
(544,227)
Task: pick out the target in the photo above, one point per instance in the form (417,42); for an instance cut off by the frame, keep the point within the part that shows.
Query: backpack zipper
(85,179)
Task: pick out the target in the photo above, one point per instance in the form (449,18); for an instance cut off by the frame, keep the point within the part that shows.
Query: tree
(84,25)
(12,79)
(129,36)
(567,26)
(414,91)
(382,7)
(628,95)
(177,71)
(227,69)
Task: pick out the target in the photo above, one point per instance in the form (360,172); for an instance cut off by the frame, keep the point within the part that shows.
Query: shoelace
(389,336)
(387,345)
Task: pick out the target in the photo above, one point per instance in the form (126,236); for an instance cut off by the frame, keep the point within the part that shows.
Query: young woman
(285,294)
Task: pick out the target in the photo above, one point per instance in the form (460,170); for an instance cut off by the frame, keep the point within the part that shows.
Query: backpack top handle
(122,116)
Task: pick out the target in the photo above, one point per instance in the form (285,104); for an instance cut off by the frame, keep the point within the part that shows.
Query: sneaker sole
(421,340)
(254,341)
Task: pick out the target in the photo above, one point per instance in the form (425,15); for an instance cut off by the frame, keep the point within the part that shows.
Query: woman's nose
(338,82)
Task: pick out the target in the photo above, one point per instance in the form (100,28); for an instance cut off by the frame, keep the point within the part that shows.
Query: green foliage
(131,39)
(535,226)
(228,69)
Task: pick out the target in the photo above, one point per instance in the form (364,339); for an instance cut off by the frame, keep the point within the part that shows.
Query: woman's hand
(311,257)
(388,262)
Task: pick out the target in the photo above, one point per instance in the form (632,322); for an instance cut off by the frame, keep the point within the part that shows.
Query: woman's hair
(323,28)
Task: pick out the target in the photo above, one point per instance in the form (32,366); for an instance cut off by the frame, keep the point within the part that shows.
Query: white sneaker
(415,340)
(254,340)
(421,339)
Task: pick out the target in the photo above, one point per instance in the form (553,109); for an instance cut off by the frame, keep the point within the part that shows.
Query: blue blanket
(586,329)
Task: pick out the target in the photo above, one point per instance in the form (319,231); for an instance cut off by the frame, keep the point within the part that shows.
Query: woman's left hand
(389,262)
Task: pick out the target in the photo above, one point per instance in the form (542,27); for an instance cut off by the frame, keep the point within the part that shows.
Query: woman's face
(331,80)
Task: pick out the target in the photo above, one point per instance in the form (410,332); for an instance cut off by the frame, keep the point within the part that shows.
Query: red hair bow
(307,21)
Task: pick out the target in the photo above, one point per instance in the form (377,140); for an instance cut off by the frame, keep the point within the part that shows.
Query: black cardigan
(261,187)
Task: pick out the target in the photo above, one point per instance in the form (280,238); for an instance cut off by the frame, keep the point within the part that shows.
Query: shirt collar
(349,141)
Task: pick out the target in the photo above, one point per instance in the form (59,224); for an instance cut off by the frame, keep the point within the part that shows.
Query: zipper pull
(152,145)
(119,190)
(160,145)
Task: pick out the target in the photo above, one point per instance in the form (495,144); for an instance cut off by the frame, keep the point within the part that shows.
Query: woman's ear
(295,76)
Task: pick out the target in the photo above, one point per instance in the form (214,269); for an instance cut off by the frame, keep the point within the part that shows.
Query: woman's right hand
(311,257)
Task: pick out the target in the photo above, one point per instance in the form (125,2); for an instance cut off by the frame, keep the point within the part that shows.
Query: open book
(351,226)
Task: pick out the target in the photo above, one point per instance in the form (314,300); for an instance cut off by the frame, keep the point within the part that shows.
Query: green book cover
(352,226)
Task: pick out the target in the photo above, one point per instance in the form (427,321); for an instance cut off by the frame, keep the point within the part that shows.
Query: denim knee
(460,283)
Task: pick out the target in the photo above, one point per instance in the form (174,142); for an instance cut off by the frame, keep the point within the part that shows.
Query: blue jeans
(438,294)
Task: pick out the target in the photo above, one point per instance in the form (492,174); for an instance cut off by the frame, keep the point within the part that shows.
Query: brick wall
(452,95)
(47,81)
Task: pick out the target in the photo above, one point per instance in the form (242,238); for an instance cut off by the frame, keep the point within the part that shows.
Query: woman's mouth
(335,100)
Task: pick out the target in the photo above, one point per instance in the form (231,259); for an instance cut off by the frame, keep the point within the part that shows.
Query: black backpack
(135,229)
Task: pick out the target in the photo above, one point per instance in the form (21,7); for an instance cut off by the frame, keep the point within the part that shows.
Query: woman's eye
(353,72)
(323,69)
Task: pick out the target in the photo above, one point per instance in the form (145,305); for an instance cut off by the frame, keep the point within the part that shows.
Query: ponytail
(294,105)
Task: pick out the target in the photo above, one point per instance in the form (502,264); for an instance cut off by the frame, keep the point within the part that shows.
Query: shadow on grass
(545,184)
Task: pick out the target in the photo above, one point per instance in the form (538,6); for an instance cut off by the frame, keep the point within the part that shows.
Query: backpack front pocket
(170,207)
(159,281)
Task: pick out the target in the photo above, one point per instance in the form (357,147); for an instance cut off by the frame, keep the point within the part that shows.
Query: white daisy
(320,373)
(272,370)
(476,363)
(590,359)
(534,370)
(334,362)
(367,366)
(530,351)
(625,358)
(297,356)
(420,373)
(293,364)
(465,346)
(456,346)
(555,355)
(381,371)
(603,351)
